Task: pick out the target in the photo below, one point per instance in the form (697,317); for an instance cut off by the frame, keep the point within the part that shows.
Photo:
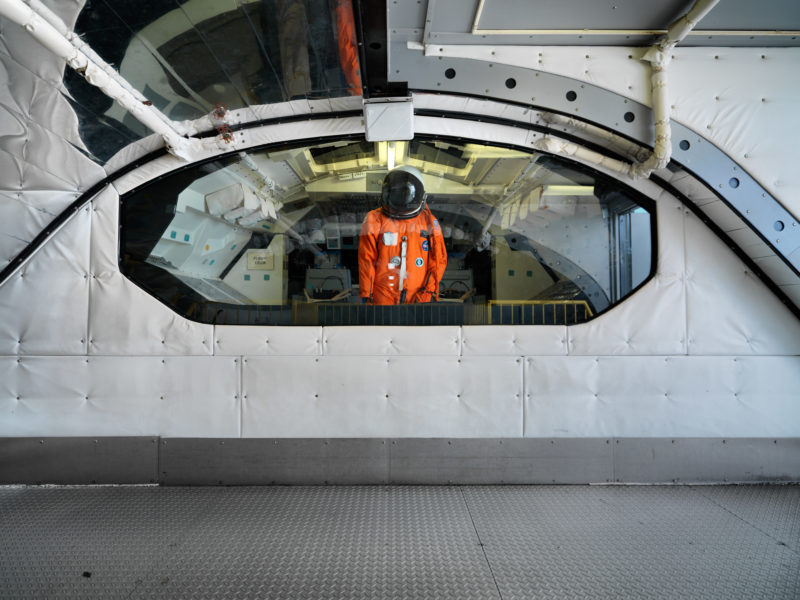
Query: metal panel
(78,460)
(578,14)
(505,461)
(410,542)
(584,22)
(273,461)
(656,542)
(378,461)
(702,460)
(389,120)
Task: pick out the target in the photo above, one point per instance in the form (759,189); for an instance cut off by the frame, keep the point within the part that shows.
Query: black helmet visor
(402,196)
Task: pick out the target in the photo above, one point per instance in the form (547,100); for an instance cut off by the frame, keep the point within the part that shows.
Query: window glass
(321,235)
(189,56)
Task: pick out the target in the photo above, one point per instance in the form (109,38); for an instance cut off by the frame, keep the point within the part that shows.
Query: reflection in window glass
(281,236)
(188,56)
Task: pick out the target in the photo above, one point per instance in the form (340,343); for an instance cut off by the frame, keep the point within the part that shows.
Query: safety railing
(331,313)
(539,312)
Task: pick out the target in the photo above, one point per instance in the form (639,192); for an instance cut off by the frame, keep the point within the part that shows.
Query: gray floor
(401,542)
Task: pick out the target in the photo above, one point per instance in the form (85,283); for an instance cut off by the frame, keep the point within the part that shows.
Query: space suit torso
(400,260)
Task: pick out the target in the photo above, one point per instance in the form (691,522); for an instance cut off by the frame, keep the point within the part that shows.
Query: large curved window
(281,237)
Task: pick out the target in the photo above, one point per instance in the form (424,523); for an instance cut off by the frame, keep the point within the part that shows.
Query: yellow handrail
(565,303)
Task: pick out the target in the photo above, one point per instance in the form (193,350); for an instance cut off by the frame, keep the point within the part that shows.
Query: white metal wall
(743,100)
(703,350)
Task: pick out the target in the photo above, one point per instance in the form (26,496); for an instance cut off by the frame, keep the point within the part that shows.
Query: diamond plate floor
(401,542)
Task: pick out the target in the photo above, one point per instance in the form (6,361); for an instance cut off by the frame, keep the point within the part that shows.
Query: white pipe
(54,40)
(635,151)
(659,57)
(555,145)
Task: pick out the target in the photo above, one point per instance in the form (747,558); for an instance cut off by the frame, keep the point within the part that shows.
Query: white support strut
(51,32)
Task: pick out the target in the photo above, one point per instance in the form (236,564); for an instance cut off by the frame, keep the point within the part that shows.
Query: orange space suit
(401,261)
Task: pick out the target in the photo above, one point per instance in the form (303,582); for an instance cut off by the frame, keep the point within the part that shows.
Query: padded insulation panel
(382,397)
(119,396)
(769,328)
(44,306)
(662,396)
(652,321)
(39,157)
(123,319)
(513,340)
(731,96)
(299,385)
(379,341)
(250,340)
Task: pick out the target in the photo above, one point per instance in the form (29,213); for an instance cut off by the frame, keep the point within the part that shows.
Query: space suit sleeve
(367,255)
(438,258)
